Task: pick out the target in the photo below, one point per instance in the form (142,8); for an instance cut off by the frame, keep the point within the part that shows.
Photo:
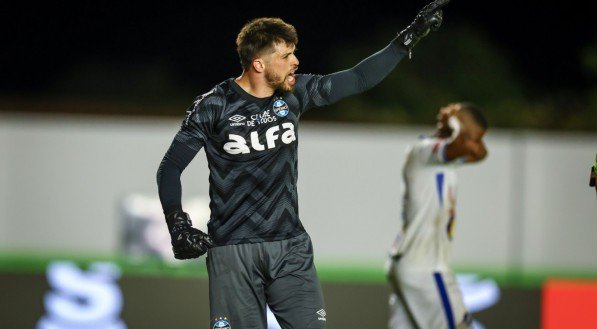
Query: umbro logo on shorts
(321,314)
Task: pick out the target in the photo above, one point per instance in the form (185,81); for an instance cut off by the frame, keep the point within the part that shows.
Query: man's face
(280,66)
(470,130)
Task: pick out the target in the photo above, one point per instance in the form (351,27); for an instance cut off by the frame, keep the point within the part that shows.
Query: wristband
(454,123)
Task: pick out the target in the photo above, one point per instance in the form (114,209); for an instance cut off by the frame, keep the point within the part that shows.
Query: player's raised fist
(187,241)
(428,19)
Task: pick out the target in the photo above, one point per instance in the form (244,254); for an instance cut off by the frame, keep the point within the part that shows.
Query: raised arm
(469,150)
(376,67)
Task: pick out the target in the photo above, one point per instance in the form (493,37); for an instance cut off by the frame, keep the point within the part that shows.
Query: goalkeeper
(258,250)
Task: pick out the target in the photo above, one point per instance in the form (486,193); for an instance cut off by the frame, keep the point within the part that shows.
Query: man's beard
(273,80)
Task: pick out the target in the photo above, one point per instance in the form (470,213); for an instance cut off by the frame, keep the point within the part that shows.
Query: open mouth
(290,78)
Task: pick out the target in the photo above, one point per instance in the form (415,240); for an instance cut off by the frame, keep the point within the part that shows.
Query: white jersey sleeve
(430,151)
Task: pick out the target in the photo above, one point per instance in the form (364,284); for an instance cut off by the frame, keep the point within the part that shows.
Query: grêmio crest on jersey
(280,107)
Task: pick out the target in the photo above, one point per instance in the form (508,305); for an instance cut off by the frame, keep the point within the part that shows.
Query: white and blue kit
(425,293)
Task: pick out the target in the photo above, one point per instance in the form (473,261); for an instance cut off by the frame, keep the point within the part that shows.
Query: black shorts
(244,278)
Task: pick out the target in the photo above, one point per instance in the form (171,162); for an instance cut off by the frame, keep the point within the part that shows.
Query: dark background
(544,53)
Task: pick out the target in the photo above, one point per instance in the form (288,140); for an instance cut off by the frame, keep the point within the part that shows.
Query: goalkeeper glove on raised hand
(187,241)
(428,19)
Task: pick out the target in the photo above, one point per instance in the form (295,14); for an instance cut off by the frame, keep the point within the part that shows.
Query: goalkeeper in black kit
(258,252)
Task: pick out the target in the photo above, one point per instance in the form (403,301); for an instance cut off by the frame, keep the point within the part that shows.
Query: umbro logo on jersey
(236,120)
(238,144)
(321,314)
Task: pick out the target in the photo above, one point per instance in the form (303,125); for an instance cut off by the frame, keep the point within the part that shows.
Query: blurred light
(145,231)
(82,299)
(478,294)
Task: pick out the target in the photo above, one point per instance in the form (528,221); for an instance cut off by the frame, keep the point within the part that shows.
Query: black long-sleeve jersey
(251,146)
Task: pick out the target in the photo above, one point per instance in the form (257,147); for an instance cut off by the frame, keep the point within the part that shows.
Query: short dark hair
(260,34)
(476,113)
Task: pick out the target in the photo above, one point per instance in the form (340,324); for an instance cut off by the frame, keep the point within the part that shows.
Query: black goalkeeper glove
(428,19)
(187,241)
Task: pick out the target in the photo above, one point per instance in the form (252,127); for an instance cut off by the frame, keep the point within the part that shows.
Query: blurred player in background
(425,294)
(593,175)
(259,252)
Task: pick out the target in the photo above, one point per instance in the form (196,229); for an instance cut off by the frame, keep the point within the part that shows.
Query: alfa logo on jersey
(238,144)
(222,323)
(280,108)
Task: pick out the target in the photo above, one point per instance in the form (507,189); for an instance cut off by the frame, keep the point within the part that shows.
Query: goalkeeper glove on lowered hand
(187,241)
(428,19)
